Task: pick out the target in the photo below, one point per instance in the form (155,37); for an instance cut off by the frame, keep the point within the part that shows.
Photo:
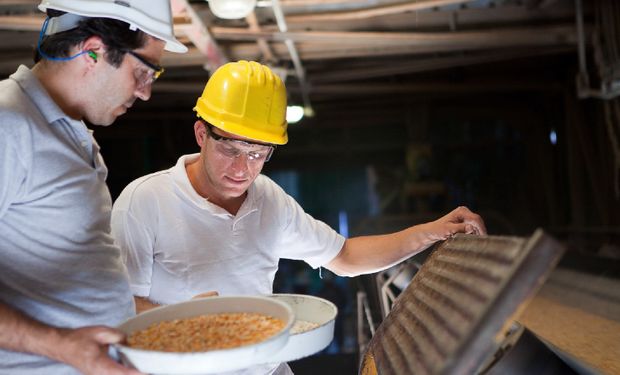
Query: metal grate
(455,312)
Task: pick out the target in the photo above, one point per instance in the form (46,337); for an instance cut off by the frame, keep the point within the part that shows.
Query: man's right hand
(86,349)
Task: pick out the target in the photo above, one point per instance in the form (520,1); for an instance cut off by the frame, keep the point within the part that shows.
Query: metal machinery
(457,315)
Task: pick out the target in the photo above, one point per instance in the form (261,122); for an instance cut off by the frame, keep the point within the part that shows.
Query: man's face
(116,89)
(230,164)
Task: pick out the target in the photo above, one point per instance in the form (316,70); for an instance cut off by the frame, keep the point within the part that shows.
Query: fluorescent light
(294,113)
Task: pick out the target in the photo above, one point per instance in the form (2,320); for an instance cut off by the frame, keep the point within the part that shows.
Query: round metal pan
(309,309)
(215,361)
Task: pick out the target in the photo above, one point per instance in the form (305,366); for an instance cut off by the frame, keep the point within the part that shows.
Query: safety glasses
(146,77)
(229,147)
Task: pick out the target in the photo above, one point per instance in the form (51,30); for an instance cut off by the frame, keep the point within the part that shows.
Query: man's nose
(144,91)
(240,162)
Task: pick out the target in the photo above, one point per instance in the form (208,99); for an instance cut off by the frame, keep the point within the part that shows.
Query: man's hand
(86,349)
(212,293)
(460,220)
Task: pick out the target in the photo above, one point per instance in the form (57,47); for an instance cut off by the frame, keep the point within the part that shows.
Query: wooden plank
(261,42)
(507,14)
(377,11)
(199,35)
(431,63)
(547,35)
(22,22)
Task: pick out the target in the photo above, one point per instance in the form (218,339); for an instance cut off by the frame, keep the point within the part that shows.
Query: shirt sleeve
(136,243)
(308,239)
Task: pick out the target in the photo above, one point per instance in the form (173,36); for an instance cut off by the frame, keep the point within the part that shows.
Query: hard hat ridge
(262,73)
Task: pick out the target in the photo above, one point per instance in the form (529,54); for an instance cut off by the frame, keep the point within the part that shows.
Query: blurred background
(411,108)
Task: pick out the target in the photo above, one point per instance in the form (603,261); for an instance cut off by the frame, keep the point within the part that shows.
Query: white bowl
(310,309)
(214,361)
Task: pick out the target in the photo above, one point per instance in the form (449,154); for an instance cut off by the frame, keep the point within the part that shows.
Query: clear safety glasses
(144,76)
(229,147)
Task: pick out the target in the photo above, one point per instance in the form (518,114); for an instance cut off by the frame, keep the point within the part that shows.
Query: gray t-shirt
(58,260)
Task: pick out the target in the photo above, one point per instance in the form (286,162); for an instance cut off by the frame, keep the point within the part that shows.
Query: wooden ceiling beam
(356,45)
(371,12)
(380,69)
(311,52)
(199,35)
(465,18)
(373,89)
(542,35)
(22,22)
(254,26)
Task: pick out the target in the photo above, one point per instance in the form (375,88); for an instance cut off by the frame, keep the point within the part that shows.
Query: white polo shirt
(177,244)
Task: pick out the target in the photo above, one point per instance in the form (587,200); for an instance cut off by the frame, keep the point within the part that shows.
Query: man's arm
(86,348)
(367,254)
(144,304)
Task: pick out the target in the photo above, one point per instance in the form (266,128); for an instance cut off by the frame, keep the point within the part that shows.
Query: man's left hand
(460,220)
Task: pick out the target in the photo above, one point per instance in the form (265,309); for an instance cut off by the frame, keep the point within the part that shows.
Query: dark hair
(115,34)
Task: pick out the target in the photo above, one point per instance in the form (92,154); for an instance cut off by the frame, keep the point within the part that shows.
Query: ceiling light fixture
(232,9)
(294,113)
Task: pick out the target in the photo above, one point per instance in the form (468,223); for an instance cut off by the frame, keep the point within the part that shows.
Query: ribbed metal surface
(453,313)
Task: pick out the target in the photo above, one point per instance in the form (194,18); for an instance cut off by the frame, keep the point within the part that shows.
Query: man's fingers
(468,228)
(206,294)
(454,228)
(108,336)
(475,222)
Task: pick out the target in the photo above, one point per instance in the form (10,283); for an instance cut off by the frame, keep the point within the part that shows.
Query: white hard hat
(154,17)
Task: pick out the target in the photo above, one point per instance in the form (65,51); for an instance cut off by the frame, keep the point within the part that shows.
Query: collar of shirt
(40,97)
(182,183)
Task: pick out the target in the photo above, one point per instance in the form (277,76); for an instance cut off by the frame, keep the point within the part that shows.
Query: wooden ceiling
(480,82)
(339,48)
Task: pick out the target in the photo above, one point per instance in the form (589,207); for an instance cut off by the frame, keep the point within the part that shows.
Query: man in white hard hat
(214,222)
(62,282)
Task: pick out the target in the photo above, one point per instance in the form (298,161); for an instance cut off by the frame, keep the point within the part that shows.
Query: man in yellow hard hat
(62,281)
(214,222)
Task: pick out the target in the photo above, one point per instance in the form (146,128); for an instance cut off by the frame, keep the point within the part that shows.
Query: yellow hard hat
(247,99)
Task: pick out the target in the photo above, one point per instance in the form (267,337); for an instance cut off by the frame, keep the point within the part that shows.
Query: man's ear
(94,49)
(200,131)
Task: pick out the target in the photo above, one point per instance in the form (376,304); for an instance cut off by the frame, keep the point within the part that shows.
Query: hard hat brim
(133,16)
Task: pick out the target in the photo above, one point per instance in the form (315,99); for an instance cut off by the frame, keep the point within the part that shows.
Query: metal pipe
(608,90)
(299,70)
(580,39)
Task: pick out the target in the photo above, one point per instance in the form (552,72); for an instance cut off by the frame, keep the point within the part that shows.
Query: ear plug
(93,55)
